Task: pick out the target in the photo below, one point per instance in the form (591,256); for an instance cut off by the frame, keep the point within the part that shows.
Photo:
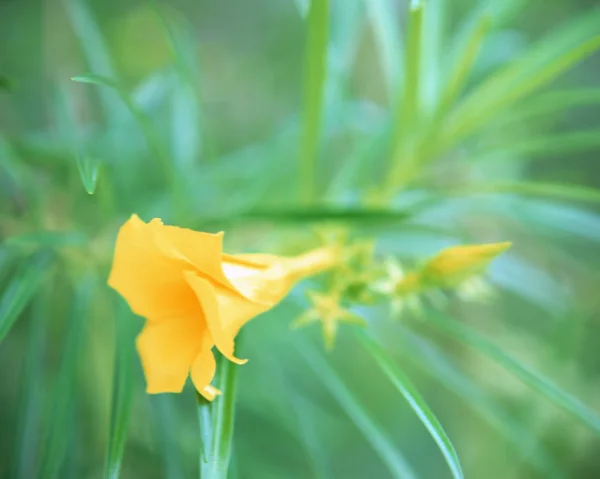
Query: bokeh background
(200,113)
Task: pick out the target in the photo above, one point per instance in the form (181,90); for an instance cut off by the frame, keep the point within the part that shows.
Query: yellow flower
(194,297)
(457,263)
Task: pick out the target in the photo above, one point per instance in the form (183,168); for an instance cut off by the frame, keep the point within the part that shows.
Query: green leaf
(145,124)
(415,401)
(558,144)
(408,108)
(95,79)
(383,16)
(88,171)
(433,46)
(464,63)
(427,356)
(561,191)
(553,102)
(96,52)
(21,290)
(222,412)
(56,443)
(380,442)
(166,417)
(32,391)
(123,383)
(186,118)
(315,67)
(315,215)
(538,66)
(530,377)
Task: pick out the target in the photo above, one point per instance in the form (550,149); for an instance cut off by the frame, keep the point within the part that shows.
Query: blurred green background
(239,116)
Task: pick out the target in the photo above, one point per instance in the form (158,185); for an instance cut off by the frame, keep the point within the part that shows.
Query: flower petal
(151,283)
(199,249)
(213,313)
(203,372)
(167,350)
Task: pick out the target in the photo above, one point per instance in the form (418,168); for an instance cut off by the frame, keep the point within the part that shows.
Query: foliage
(407,127)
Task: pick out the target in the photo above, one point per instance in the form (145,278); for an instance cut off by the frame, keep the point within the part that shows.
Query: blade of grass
(530,377)
(315,67)
(120,409)
(56,442)
(425,355)
(380,442)
(403,384)
(32,392)
(21,290)
(383,16)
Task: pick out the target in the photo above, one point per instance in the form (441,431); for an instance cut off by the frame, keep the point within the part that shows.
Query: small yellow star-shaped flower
(326,308)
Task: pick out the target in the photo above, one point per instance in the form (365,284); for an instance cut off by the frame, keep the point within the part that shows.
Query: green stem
(216,423)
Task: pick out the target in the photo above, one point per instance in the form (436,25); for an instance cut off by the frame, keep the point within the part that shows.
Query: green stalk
(216,423)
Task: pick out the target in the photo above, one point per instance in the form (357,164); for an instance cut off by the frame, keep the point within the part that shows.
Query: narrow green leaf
(464,64)
(558,144)
(427,356)
(315,215)
(380,442)
(315,67)
(120,409)
(95,51)
(383,15)
(554,102)
(88,171)
(223,410)
(416,402)
(56,443)
(534,188)
(433,46)
(534,70)
(95,79)
(408,108)
(21,289)
(145,124)
(32,391)
(186,117)
(166,417)
(533,379)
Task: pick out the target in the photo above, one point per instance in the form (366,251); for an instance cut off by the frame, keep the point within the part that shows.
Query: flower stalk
(216,420)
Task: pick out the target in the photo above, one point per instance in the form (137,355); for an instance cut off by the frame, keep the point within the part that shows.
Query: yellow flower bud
(458,263)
